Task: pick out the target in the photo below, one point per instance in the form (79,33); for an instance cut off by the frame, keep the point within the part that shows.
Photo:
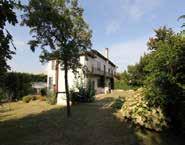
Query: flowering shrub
(137,110)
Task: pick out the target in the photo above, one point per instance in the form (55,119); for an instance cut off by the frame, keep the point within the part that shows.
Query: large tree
(7,16)
(59,25)
(165,80)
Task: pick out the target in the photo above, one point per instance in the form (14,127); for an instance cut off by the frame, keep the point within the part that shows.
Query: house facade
(96,69)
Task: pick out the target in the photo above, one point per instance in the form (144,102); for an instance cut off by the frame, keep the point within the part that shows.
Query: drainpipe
(57,76)
(106,69)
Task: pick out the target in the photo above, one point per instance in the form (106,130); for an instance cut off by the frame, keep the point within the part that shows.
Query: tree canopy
(7,16)
(59,25)
(161,73)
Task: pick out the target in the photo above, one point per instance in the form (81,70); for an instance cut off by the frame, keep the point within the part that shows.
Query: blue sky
(123,26)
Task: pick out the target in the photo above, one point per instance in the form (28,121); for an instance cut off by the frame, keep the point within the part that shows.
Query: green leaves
(162,73)
(7,15)
(182,17)
(60,25)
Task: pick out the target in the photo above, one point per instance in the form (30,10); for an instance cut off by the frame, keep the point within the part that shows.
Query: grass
(38,123)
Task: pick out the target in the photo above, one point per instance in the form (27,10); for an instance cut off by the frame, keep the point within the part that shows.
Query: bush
(118,103)
(51,98)
(27,99)
(43,92)
(137,110)
(121,84)
(2,95)
(20,84)
(74,96)
(161,73)
(41,98)
(84,94)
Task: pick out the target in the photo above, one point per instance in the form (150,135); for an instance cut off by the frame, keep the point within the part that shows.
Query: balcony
(96,71)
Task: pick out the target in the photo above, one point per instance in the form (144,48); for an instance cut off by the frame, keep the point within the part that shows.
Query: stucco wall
(85,61)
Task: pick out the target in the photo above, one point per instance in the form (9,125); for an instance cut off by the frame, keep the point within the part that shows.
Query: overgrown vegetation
(118,103)
(7,16)
(51,98)
(137,110)
(16,85)
(43,91)
(39,123)
(135,75)
(161,73)
(86,94)
(27,99)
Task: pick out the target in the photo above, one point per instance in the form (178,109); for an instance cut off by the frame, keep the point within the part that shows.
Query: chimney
(107,53)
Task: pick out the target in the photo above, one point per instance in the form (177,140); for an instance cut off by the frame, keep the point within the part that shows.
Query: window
(50,82)
(98,66)
(92,68)
(101,82)
(53,65)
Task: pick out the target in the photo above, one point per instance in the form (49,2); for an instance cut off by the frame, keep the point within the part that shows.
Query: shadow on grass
(90,124)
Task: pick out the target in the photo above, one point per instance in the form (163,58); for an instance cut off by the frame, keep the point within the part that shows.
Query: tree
(7,15)
(161,73)
(58,24)
(165,80)
(182,17)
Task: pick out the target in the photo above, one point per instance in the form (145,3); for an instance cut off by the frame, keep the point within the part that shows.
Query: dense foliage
(83,94)
(17,85)
(118,103)
(134,76)
(166,74)
(51,98)
(7,16)
(162,74)
(27,99)
(137,110)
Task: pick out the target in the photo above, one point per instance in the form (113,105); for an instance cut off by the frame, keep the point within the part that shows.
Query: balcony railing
(96,71)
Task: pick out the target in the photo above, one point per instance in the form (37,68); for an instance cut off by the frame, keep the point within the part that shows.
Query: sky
(123,26)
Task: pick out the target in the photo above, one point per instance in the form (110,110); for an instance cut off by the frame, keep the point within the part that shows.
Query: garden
(99,122)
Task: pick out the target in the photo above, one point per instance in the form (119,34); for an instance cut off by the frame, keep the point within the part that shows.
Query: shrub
(118,103)
(41,98)
(51,98)
(43,92)
(19,84)
(161,73)
(137,110)
(84,94)
(90,92)
(2,95)
(74,96)
(27,99)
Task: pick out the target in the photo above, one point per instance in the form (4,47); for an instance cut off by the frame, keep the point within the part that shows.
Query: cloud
(112,27)
(135,9)
(128,53)
(129,10)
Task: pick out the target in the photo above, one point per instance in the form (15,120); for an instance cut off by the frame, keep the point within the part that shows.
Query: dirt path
(90,124)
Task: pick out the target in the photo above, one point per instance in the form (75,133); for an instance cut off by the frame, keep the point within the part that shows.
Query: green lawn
(37,123)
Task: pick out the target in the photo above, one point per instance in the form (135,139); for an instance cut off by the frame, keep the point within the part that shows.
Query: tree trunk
(67,90)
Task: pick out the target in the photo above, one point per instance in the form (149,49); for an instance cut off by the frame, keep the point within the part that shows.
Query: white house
(96,68)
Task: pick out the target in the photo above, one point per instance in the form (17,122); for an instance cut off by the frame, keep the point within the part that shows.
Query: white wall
(71,77)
